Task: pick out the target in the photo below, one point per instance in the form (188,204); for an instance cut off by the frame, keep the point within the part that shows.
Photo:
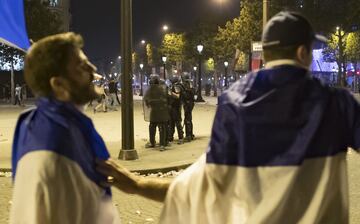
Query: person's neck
(280,62)
(77,106)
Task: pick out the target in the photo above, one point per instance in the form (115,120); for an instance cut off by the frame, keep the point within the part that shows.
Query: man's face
(80,74)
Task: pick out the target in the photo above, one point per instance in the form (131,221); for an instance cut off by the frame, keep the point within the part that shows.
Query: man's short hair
(283,52)
(47,58)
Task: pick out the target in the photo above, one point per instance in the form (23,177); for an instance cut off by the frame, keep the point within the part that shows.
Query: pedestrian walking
(175,110)
(55,144)
(18,95)
(102,101)
(188,99)
(155,99)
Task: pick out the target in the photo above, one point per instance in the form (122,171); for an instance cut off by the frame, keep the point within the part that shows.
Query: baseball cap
(289,29)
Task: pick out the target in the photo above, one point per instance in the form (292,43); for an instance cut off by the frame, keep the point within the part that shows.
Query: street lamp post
(199,97)
(194,76)
(127,151)
(163,58)
(226,64)
(141,79)
(265,12)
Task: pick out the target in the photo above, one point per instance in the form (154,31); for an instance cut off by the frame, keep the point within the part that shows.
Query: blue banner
(12,24)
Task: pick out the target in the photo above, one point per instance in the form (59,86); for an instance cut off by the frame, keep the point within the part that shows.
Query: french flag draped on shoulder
(55,181)
(12,24)
(276,155)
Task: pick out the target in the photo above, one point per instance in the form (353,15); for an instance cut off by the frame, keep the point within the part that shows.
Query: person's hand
(118,176)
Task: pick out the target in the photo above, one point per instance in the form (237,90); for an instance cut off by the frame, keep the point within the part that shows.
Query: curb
(141,172)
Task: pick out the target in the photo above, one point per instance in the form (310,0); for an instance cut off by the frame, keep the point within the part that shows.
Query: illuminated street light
(200,48)
(141,79)
(195,68)
(143,41)
(199,98)
(163,58)
(165,28)
(226,64)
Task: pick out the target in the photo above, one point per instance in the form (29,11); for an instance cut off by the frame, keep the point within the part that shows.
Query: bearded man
(55,145)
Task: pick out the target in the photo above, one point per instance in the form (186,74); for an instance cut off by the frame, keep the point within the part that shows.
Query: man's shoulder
(236,93)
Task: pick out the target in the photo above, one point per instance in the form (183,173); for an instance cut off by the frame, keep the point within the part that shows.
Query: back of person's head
(47,58)
(285,33)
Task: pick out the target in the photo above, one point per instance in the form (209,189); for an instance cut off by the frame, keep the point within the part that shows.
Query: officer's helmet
(154,80)
(174,80)
(186,77)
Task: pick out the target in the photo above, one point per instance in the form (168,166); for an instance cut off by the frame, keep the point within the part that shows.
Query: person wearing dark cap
(278,146)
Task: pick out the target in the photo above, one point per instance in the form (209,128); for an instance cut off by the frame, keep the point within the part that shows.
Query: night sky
(99,21)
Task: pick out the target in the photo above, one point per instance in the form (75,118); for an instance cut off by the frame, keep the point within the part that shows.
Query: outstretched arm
(126,181)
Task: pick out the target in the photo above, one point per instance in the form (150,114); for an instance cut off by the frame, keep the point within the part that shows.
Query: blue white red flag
(277,154)
(12,24)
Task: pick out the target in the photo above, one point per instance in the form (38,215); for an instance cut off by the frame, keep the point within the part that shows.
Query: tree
(335,52)
(203,33)
(41,20)
(10,56)
(352,48)
(173,47)
(239,33)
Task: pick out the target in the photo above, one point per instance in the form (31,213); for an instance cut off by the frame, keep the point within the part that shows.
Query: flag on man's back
(12,24)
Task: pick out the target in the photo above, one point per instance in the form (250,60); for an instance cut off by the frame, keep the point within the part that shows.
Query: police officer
(187,98)
(155,99)
(175,110)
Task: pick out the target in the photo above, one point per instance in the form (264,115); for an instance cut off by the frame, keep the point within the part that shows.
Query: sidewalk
(109,124)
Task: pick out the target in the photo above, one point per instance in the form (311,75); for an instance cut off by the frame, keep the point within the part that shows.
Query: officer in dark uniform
(155,98)
(188,99)
(175,110)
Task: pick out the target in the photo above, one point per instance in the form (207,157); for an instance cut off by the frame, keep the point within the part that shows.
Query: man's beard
(80,95)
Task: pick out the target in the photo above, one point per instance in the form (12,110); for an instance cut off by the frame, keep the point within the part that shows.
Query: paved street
(132,209)
(109,126)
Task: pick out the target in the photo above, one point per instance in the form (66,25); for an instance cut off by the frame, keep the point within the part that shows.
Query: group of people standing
(163,109)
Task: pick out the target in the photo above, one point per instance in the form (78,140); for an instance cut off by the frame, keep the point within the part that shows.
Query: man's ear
(302,55)
(59,88)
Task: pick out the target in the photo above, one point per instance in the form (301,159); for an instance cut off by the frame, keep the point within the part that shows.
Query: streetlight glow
(141,66)
(163,58)
(195,68)
(143,41)
(165,27)
(226,63)
(199,48)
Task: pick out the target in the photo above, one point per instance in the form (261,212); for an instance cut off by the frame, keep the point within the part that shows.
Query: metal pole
(141,83)
(226,78)
(164,71)
(199,97)
(127,151)
(265,12)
